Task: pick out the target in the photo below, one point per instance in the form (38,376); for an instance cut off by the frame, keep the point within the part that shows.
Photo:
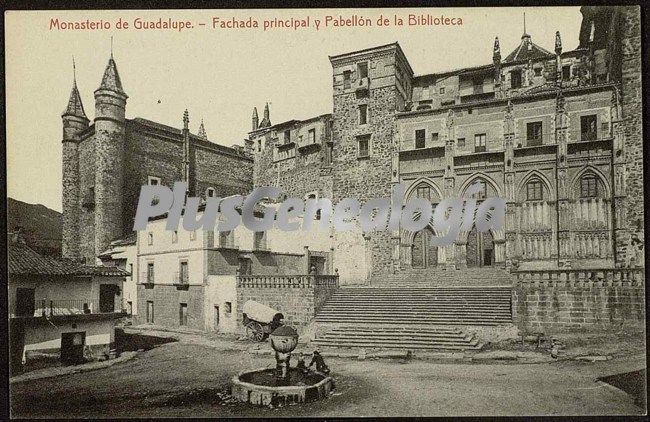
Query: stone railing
(596,277)
(288,281)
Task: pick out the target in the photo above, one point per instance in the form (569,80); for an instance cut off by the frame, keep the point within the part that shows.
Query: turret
(255,119)
(110,107)
(74,122)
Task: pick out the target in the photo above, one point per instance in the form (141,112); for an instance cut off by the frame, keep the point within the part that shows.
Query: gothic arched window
(588,186)
(534,190)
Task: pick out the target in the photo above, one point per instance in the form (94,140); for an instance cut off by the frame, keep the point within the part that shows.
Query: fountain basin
(260,387)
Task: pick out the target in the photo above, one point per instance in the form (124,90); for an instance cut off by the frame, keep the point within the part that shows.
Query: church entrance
(480,249)
(423,253)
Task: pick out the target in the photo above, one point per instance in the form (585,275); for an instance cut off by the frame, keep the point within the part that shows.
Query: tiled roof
(527,50)
(23,260)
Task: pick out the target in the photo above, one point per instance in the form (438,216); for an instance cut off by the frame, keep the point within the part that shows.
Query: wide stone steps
(395,338)
(487,276)
(422,318)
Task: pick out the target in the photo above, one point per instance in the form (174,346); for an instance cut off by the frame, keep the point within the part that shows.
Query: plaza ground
(184,379)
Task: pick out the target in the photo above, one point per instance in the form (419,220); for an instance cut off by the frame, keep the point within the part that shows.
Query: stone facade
(298,298)
(106,163)
(555,133)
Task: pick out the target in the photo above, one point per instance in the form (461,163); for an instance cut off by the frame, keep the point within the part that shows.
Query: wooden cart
(260,320)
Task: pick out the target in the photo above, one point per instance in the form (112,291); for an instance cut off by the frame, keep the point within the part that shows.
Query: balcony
(147,280)
(70,307)
(589,136)
(362,85)
(181,280)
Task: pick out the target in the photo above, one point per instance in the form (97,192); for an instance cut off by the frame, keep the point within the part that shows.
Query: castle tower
(255,119)
(110,106)
(370,86)
(74,122)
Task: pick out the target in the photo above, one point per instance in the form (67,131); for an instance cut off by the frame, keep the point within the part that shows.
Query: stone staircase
(375,337)
(423,318)
(490,276)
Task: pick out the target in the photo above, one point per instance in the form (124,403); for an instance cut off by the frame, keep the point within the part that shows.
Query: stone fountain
(283,384)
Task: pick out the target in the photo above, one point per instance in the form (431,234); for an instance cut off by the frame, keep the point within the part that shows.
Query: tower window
(420,137)
(534,133)
(363,114)
(588,129)
(259,145)
(515,79)
(479,142)
(434,137)
(210,192)
(153,181)
(534,190)
(442,89)
(287,136)
(347,76)
(588,186)
(461,142)
(566,72)
(364,146)
(150,239)
(312,136)
(175,236)
(363,69)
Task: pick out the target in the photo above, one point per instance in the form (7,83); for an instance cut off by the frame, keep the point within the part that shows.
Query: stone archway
(423,253)
(480,249)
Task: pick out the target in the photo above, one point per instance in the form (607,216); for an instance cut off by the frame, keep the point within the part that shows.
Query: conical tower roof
(75,106)
(111,80)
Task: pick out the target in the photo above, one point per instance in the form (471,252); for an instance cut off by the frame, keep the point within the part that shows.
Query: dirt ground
(184,380)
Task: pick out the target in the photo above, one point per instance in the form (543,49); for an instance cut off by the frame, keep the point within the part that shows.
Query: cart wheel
(254,331)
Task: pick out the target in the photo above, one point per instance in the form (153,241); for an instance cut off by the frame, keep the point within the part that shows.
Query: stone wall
(297,298)
(166,301)
(580,304)
(632,116)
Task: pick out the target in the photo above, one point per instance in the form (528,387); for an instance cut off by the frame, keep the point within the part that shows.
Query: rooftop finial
(186,119)
(111,47)
(558,43)
(202,134)
(524,23)
(74,72)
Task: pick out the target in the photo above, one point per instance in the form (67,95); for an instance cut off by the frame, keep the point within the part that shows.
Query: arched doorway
(423,253)
(480,249)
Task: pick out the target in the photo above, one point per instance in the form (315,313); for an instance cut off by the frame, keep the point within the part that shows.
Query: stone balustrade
(285,281)
(596,277)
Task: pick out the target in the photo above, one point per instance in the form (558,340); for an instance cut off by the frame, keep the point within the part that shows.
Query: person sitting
(320,363)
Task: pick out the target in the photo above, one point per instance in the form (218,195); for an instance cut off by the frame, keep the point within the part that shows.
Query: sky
(219,75)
